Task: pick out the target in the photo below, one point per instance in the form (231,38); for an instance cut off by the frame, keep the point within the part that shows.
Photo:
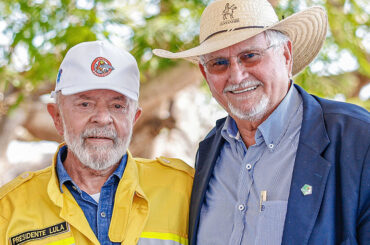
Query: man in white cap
(284,167)
(95,192)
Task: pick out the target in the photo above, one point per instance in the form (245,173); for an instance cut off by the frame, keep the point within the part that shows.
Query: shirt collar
(64,177)
(230,130)
(274,127)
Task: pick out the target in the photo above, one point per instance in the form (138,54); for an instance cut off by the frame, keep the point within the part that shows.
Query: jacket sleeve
(3,229)
(363,225)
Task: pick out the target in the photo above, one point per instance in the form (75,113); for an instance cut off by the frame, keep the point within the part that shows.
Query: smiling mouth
(244,90)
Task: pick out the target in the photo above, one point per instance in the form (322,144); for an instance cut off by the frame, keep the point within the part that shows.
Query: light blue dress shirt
(231,212)
(97,214)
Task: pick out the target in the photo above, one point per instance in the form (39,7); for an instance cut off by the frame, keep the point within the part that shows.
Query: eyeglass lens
(247,59)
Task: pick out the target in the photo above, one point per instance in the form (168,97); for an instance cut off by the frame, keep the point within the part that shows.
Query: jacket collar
(210,149)
(131,205)
(64,177)
(310,168)
(70,211)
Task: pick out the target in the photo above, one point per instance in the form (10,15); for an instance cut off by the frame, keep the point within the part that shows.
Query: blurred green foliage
(349,28)
(40,32)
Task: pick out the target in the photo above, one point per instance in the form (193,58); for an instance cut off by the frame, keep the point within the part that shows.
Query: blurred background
(177,106)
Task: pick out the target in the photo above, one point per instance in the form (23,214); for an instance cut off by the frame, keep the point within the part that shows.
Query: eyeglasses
(246,58)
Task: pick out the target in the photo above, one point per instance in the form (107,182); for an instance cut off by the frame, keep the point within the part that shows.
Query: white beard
(254,114)
(98,157)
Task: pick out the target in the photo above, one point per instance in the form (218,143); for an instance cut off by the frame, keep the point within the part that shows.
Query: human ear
(55,114)
(203,71)
(137,114)
(287,52)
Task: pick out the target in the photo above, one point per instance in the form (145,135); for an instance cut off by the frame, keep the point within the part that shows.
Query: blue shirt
(97,214)
(231,212)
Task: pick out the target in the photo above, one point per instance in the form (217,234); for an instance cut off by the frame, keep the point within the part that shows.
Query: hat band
(235,29)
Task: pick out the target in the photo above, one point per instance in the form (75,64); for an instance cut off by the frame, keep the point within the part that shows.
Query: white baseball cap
(98,65)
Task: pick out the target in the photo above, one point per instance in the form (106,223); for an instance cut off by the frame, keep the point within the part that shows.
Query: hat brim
(306,30)
(78,89)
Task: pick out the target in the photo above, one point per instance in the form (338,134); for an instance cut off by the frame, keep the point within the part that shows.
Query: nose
(102,116)
(236,71)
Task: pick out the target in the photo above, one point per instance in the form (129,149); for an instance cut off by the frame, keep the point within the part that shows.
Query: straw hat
(227,22)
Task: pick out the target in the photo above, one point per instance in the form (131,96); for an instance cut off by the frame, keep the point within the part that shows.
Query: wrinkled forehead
(97,94)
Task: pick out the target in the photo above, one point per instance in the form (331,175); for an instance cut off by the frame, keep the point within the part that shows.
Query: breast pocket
(271,223)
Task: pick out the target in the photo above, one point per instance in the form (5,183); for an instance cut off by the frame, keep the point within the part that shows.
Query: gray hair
(276,38)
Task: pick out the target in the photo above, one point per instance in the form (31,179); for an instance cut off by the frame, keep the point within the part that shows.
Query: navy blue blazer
(332,156)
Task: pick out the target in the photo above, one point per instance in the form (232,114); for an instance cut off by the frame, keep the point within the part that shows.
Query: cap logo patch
(228,14)
(101,67)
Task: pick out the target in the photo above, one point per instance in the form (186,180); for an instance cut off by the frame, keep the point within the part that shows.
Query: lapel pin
(306,190)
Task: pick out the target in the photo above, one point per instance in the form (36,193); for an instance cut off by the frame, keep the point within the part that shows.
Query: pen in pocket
(263,198)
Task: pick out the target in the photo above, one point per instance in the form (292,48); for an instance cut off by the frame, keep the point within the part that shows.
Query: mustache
(102,132)
(244,84)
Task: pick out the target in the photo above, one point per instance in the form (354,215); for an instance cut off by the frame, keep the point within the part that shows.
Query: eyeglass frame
(261,52)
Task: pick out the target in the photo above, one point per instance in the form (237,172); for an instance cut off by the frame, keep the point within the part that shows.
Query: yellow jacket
(151,207)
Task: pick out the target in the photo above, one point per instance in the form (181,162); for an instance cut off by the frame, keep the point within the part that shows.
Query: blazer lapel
(310,169)
(206,159)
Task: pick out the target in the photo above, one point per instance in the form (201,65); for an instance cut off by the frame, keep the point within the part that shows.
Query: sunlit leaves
(41,32)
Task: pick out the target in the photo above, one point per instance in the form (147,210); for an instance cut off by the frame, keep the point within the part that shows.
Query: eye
(220,62)
(85,104)
(217,65)
(118,107)
(249,56)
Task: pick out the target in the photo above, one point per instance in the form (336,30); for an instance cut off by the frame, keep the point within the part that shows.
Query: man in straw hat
(95,192)
(284,167)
